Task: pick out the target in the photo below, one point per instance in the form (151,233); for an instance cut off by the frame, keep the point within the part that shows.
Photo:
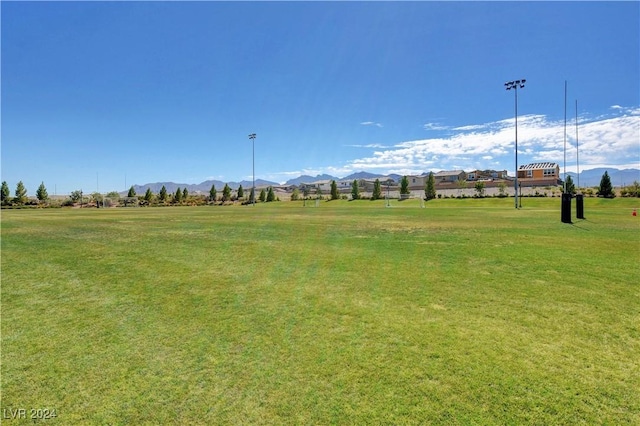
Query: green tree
(295,195)
(404,186)
(113,194)
(479,187)
(75,196)
(226,192)
(41,193)
(334,190)
(185,194)
(177,197)
(240,192)
(634,189)
(263,196)
(570,187)
(606,189)
(462,184)
(21,193)
(163,194)
(377,190)
(252,195)
(132,192)
(148,195)
(355,190)
(430,187)
(213,193)
(502,189)
(305,194)
(5,192)
(96,197)
(271,196)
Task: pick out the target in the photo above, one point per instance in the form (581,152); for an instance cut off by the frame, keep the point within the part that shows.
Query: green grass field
(464,312)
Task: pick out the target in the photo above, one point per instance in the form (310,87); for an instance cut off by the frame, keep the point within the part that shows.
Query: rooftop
(449,173)
(538,166)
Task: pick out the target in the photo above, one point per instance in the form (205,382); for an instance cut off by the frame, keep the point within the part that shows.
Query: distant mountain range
(308,179)
(200,188)
(587,178)
(592,177)
(358,175)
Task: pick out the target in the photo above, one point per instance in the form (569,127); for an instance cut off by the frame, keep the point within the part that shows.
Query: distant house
(539,174)
(345,186)
(450,179)
(368,184)
(452,176)
(282,188)
(312,187)
(417,181)
(486,175)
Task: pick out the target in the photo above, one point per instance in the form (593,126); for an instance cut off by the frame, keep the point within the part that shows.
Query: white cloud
(371,145)
(434,126)
(612,141)
(470,127)
(371,123)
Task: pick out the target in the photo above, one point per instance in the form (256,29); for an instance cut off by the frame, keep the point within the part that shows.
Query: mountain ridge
(588,178)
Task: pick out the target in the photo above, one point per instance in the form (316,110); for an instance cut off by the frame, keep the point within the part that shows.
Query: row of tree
(429,192)
(605,189)
(20,194)
(182,195)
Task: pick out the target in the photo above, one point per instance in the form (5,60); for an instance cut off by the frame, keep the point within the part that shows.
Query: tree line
(376,194)
(182,196)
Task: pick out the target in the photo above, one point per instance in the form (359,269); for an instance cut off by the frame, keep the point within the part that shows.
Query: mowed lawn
(463,312)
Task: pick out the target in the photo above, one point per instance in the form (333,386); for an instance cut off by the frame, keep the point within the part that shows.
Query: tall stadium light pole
(515,85)
(564,186)
(577,153)
(565,206)
(252,136)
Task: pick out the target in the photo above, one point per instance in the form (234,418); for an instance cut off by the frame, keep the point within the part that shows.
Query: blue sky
(103,95)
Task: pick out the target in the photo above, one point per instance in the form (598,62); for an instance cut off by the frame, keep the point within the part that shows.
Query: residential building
(539,174)
(368,184)
(417,181)
(486,175)
(451,176)
(344,186)
(312,187)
